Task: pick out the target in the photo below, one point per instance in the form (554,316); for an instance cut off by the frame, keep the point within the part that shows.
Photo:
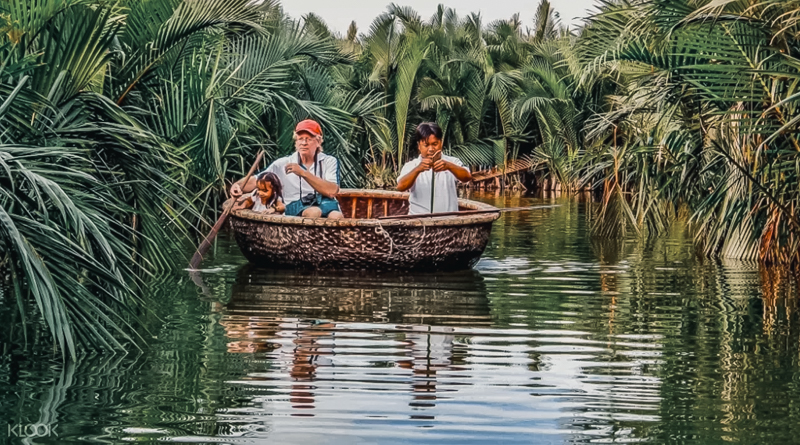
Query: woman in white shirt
(417,175)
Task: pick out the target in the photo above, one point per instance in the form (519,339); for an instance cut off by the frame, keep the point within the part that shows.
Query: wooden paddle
(468,212)
(206,244)
(436,156)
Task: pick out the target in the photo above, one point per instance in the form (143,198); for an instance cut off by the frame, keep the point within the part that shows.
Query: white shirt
(293,184)
(258,206)
(445,193)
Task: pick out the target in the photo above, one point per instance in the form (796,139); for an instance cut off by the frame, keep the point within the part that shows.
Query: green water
(553,338)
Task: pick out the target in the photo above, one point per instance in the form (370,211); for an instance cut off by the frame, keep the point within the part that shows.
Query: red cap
(309,126)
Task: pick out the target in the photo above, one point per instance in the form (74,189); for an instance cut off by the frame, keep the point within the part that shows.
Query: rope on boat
(381,231)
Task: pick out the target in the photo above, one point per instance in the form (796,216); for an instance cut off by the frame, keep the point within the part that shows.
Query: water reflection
(456,298)
(301,320)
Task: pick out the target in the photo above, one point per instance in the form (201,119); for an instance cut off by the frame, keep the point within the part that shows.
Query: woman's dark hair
(424,131)
(277,188)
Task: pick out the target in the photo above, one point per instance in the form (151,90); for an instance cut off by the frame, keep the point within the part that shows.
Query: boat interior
(361,205)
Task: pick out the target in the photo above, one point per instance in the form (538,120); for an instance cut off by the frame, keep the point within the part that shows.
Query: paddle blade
(198,256)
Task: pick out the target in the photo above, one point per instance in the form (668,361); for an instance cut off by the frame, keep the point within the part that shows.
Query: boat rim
(450,220)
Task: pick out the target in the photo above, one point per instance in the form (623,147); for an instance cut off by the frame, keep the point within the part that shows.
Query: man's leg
(330,209)
(312,212)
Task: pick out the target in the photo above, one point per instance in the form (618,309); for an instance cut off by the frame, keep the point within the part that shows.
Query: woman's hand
(279,207)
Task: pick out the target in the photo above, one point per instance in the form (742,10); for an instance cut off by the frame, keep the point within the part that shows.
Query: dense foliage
(703,122)
(120,122)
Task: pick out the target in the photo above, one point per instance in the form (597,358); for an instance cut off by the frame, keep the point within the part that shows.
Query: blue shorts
(327,205)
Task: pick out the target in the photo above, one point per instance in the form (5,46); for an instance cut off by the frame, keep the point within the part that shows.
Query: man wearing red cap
(310,178)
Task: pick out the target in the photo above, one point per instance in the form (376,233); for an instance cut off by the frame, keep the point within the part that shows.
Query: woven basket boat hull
(362,242)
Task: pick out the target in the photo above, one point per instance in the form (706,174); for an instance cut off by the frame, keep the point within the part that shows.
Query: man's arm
(323,187)
(328,185)
(406,181)
(238,188)
(461,173)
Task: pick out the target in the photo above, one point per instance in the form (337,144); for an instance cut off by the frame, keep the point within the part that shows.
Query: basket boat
(361,241)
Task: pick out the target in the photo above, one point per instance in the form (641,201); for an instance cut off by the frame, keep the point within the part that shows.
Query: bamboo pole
(436,156)
(433,187)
